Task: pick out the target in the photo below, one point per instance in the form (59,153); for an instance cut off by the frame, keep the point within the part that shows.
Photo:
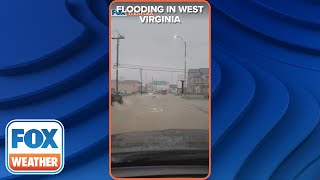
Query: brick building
(198,80)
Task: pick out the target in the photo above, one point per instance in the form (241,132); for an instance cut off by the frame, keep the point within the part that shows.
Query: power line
(148,67)
(152,69)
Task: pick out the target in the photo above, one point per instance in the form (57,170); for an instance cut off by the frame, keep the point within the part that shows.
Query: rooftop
(203,71)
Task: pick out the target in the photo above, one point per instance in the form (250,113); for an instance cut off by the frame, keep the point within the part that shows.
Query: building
(127,85)
(198,80)
(149,87)
(173,88)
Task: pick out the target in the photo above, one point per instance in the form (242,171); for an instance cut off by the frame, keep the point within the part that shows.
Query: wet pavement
(160,112)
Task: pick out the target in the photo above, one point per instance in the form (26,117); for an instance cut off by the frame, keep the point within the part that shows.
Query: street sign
(173,86)
(159,83)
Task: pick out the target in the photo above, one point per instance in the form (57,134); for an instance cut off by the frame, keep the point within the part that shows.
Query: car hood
(163,140)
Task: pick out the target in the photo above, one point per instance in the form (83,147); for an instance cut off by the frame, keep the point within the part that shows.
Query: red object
(164,92)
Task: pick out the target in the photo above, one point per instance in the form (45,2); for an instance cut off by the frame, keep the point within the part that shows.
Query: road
(147,113)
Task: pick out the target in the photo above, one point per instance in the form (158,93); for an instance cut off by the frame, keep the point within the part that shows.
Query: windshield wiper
(177,157)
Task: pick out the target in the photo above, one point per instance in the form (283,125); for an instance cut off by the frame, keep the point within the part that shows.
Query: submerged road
(160,112)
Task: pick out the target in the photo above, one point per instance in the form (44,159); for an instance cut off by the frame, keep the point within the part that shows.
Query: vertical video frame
(159,79)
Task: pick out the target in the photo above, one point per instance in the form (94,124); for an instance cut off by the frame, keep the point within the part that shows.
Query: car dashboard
(180,171)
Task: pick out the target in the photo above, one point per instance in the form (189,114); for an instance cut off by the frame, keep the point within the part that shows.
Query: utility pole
(152,85)
(184,82)
(141,81)
(185,66)
(118,38)
(147,90)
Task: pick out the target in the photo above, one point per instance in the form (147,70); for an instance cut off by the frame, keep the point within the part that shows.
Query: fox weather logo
(115,12)
(34,146)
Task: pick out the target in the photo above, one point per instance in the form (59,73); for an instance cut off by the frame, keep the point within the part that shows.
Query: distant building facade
(127,85)
(198,81)
(173,88)
(149,87)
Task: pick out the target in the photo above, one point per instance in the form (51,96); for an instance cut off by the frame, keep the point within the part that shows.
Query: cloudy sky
(153,45)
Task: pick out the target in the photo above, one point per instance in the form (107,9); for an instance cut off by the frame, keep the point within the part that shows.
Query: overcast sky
(153,45)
